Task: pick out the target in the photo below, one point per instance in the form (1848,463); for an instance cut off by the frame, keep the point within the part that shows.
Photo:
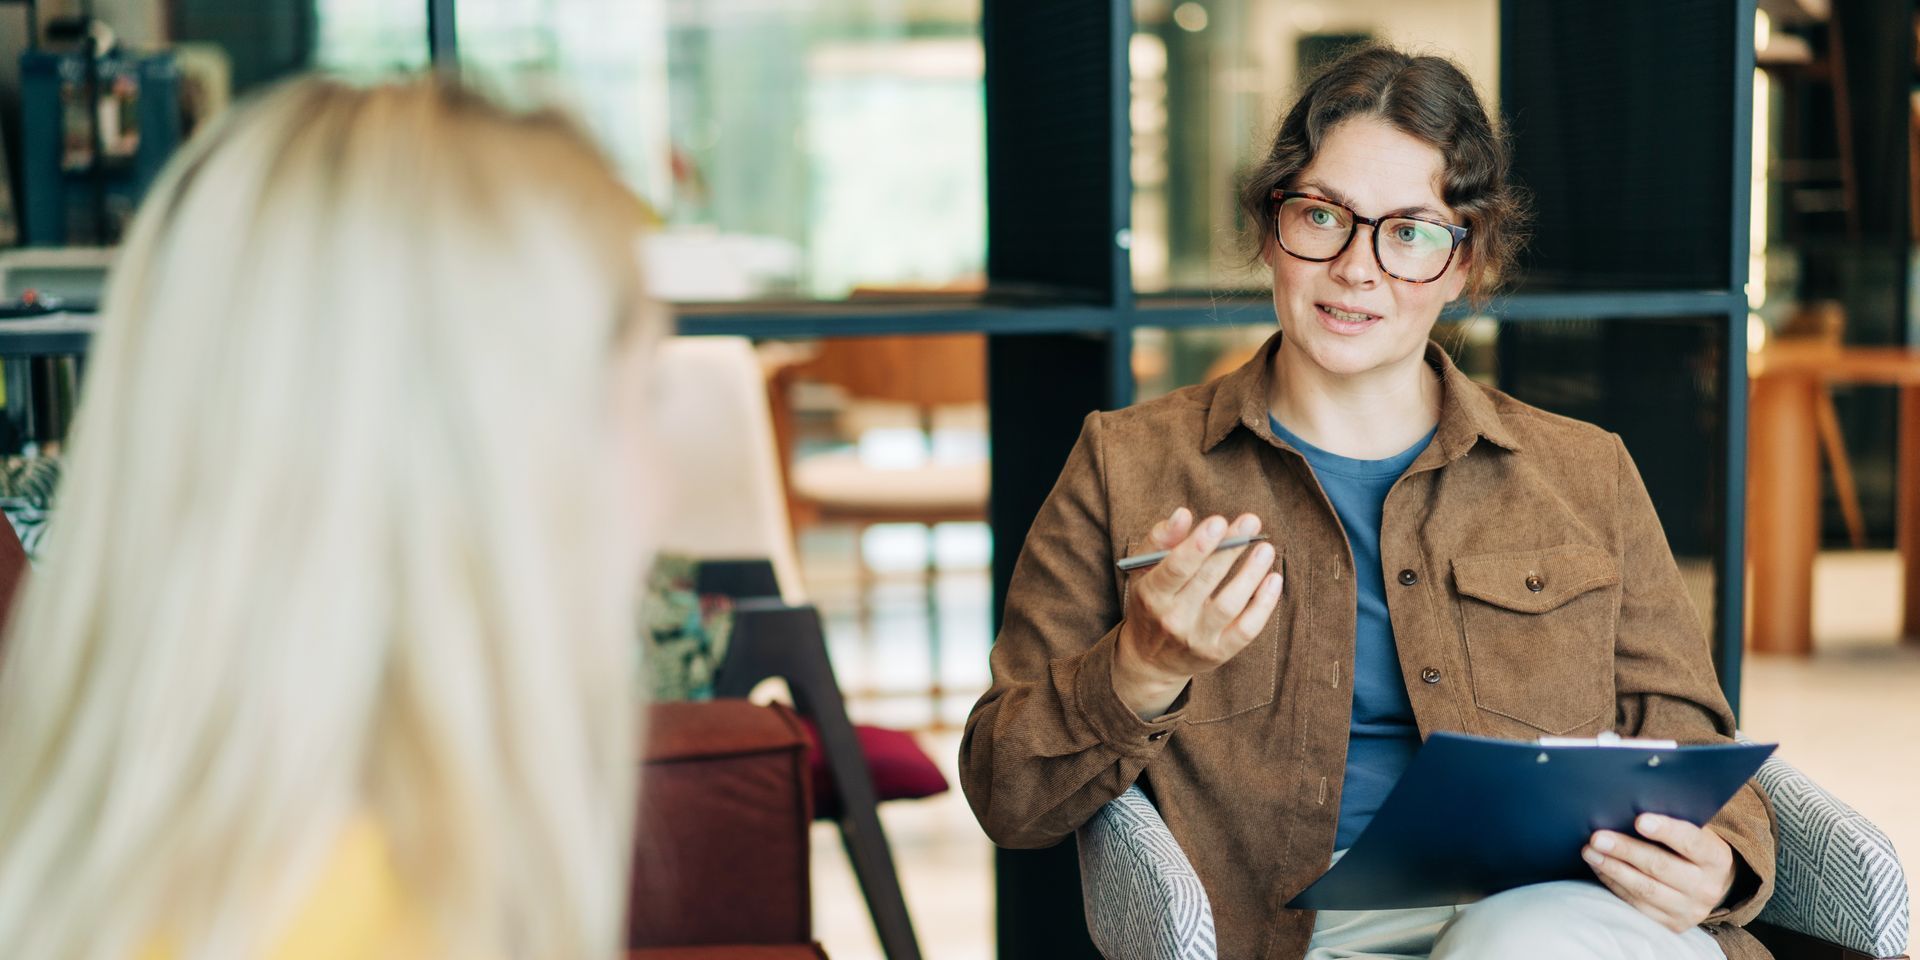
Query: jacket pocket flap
(1534,581)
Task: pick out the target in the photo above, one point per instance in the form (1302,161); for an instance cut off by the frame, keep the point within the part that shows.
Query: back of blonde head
(341,537)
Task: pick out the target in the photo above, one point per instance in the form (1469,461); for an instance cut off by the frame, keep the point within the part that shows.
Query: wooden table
(1783,481)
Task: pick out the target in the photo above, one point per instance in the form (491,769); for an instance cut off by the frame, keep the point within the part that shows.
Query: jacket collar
(1467,414)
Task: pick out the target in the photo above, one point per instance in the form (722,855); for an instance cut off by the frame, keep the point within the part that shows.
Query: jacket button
(1409,578)
(1430,675)
(1157,735)
(1536,584)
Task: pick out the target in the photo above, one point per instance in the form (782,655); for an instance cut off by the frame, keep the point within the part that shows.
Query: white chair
(718,458)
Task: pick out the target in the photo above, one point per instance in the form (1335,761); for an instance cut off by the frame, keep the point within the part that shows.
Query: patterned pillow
(686,634)
(27,485)
(1836,876)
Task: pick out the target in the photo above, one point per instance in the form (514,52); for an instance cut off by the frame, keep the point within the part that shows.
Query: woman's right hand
(1181,620)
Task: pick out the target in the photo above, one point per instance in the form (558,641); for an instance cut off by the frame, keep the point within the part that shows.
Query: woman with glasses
(1439,556)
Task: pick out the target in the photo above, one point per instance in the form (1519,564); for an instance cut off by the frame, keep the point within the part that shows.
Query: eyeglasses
(1317,230)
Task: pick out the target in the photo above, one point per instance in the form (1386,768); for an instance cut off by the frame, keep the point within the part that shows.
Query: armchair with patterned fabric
(1839,892)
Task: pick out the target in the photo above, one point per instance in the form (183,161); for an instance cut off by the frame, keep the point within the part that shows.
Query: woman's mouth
(1342,321)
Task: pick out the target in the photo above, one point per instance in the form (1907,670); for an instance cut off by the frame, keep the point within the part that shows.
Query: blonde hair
(342,536)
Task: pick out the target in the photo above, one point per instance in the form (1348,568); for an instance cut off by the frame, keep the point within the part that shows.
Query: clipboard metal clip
(1608,739)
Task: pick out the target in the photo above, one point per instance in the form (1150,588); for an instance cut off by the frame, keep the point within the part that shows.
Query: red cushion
(900,769)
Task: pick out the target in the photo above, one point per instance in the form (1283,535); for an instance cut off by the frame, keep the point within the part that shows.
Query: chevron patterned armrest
(1835,876)
(1143,900)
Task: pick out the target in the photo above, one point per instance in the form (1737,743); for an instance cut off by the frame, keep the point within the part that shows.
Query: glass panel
(1166,359)
(1831,255)
(1617,112)
(370,37)
(1657,383)
(791,151)
(1210,81)
(814,151)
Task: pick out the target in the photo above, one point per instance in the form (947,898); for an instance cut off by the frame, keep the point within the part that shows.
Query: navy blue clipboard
(1474,816)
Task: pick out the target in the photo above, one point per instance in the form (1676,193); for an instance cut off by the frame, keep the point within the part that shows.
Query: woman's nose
(1356,265)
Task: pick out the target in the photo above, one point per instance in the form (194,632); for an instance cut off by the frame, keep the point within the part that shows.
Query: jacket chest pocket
(1539,629)
(1250,680)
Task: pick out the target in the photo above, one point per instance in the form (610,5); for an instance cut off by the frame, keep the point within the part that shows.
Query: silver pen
(1149,559)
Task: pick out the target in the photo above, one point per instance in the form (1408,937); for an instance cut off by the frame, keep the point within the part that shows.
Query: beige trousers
(1566,920)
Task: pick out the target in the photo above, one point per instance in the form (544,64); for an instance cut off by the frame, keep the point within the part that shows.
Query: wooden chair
(929,375)
(1824,322)
(935,378)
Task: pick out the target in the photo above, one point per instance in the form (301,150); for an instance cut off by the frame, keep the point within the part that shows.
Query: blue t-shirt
(1383,737)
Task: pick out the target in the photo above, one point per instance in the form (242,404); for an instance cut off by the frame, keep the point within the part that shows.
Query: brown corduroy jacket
(1247,766)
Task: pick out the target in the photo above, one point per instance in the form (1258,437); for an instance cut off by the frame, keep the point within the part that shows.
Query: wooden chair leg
(1908,512)
(865,584)
(1835,446)
(771,639)
(935,691)
(1783,483)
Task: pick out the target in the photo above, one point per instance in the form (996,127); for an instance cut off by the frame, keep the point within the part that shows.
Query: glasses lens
(1313,228)
(1414,249)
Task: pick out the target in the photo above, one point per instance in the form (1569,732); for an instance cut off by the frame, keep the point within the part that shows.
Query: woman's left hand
(1677,881)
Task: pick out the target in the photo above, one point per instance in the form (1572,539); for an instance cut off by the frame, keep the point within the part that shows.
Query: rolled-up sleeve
(1666,687)
(1050,741)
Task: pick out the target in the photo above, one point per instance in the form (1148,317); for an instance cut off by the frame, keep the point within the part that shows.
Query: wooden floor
(1849,717)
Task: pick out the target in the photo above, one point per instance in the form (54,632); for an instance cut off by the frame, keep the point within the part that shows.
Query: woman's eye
(1415,235)
(1321,217)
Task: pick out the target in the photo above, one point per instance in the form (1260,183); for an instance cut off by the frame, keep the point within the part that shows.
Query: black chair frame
(771,639)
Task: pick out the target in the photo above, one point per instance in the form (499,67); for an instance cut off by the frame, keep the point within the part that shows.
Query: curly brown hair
(1430,99)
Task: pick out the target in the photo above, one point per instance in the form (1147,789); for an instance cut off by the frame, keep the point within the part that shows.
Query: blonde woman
(330,653)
